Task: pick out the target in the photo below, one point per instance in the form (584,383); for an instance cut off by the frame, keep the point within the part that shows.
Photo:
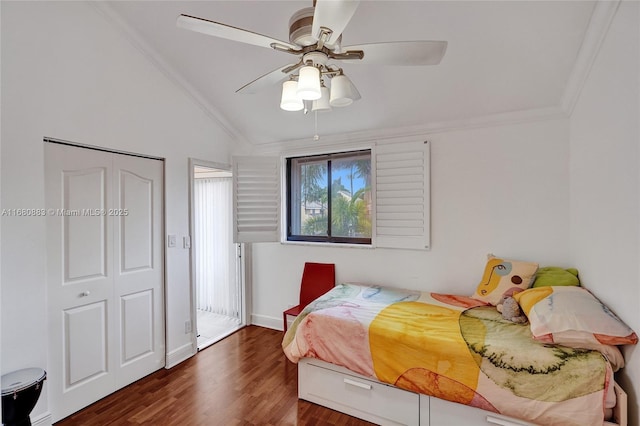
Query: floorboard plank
(243,380)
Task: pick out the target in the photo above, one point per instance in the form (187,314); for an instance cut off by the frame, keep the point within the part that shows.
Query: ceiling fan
(315,36)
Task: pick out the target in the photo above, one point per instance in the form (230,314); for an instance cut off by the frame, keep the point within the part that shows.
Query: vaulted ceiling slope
(503,57)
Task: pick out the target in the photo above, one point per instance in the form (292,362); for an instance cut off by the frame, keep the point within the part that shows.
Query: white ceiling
(502,56)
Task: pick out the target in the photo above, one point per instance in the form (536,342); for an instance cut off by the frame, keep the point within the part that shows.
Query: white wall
(605,182)
(502,189)
(68,73)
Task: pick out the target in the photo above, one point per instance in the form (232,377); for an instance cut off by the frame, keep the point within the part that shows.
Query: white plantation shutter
(402,195)
(256,199)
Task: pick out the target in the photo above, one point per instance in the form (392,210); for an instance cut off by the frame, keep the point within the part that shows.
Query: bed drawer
(357,396)
(446,413)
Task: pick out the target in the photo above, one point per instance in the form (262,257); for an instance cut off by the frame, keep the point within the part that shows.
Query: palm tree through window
(329,198)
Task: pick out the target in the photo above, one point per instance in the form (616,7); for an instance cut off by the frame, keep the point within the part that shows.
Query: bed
(432,358)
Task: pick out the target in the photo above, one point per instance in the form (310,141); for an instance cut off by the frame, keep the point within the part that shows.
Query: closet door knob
(85,294)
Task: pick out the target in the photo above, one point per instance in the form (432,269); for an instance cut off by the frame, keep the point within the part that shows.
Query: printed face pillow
(572,316)
(504,277)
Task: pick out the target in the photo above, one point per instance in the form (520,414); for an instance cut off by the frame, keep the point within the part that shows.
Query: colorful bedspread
(454,348)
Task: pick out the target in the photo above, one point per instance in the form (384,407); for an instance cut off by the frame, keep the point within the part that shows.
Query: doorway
(215,259)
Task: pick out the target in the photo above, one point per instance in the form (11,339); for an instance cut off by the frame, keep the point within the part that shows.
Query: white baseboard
(42,420)
(176,356)
(267,321)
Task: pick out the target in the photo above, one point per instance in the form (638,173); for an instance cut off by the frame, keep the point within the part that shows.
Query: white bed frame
(343,390)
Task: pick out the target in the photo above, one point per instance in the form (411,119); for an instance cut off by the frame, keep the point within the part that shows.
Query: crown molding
(381,135)
(134,38)
(598,27)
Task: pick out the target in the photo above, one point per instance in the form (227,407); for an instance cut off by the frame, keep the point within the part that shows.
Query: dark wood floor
(243,380)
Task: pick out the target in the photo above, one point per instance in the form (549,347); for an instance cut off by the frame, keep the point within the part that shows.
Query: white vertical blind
(256,199)
(217,290)
(402,195)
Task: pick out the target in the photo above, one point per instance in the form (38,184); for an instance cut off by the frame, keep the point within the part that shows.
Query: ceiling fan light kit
(343,92)
(322,104)
(310,87)
(315,34)
(309,83)
(290,100)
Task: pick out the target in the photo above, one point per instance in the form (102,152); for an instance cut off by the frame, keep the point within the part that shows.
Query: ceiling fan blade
(269,79)
(334,15)
(217,29)
(419,52)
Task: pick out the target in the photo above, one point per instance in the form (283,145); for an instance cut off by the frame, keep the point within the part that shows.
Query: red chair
(317,279)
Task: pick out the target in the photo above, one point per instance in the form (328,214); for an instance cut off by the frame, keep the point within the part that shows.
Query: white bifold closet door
(105,272)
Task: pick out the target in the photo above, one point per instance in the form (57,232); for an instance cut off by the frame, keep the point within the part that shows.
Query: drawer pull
(501,422)
(357,384)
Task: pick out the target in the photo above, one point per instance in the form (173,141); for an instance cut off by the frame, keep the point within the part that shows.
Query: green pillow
(555,276)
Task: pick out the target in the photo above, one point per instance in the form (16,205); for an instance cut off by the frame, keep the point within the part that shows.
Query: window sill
(332,245)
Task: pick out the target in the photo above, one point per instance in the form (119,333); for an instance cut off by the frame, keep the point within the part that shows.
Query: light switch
(186,242)
(171,241)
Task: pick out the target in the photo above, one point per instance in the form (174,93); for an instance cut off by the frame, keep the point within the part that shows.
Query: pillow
(504,278)
(552,275)
(572,316)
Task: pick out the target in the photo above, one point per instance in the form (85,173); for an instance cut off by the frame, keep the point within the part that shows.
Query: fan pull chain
(316,136)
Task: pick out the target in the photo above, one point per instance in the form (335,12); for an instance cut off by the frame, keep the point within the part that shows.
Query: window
(329,198)
(394,214)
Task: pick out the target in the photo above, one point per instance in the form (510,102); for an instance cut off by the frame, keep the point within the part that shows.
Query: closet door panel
(85,341)
(137,316)
(79,279)
(135,213)
(138,252)
(84,229)
(105,273)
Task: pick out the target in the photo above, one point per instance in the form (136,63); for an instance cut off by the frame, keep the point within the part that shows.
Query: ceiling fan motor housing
(316,58)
